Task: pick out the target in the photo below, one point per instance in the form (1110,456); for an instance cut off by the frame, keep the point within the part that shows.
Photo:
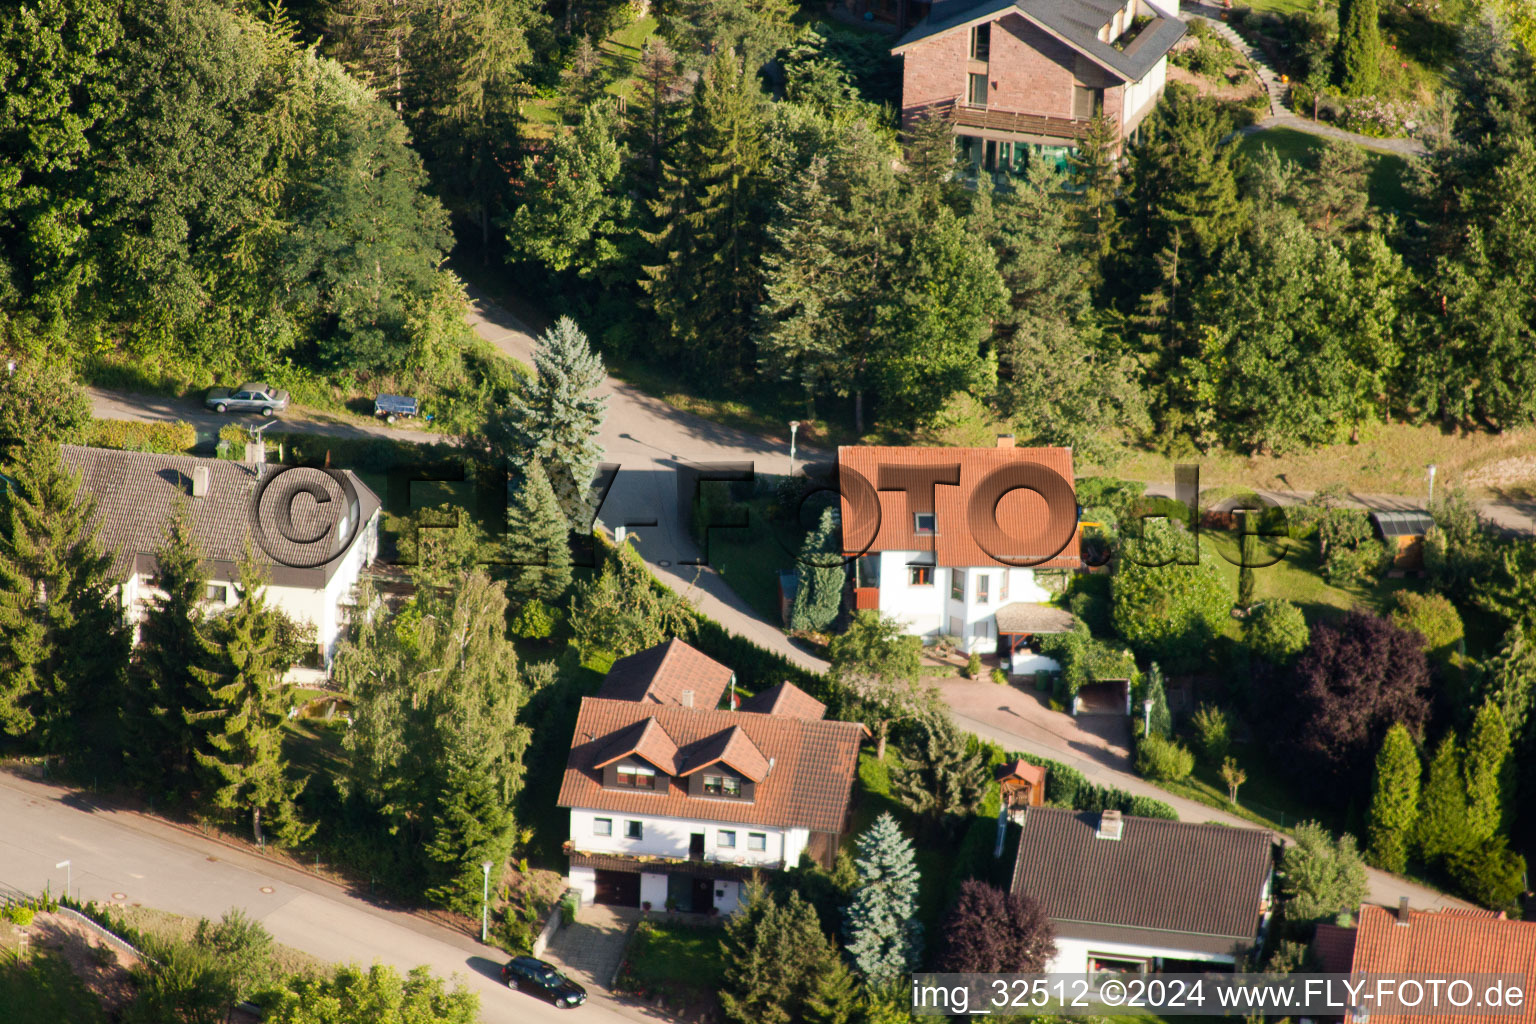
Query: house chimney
(1402,911)
(1111,825)
(686,697)
(199,481)
(255,451)
(1005,440)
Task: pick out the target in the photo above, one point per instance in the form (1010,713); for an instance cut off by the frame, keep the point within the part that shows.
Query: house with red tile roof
(677,802)
(1445,942)
(952,541)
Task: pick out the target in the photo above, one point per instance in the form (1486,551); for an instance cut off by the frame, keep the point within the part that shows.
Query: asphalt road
(124,857)
(124,405)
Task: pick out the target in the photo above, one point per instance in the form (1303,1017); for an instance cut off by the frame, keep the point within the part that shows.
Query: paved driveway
(591,948)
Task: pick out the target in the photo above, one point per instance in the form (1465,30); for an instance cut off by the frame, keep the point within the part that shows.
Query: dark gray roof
(1185,885)
(135,492)
(1403,524)
(1076,22)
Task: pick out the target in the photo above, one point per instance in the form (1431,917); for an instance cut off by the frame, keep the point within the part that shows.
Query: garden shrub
(162,438)
(1163,760)
(1213,733)
(973,666)
(999,677)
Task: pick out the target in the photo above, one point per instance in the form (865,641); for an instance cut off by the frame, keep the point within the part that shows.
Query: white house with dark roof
(948,544)
(310,579)
(678,802)
(1143,894)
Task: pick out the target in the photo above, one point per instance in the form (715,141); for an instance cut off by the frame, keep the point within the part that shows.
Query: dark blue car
(526,974)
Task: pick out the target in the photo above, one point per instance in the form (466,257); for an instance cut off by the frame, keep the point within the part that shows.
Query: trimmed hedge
(367,454)
(1065,786)
(175,438)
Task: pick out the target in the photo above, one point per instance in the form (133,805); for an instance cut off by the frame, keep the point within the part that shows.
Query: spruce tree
(822,577)
(883,936)
(556,418)
(780,966)
(944,782)
(1395,801)
(1161,719)
(704,282)
(833,997)
(61,657)
(802,327)
(1357,54)
(171,662)
(238,714)
(1509,678)
(538,540)
(1443,804)
(473,824)
(1096,172)
(1488,769)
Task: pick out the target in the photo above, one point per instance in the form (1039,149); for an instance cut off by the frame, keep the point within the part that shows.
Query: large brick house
(1021,79)
(676,801)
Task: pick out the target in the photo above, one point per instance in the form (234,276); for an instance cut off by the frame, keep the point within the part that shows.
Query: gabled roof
(1075,22)
(1444,942)
(645,739)
(665,673)
(730,747)
(1026,531)
(136,491)
(1162,883)
(785,699)
(1029,617)
(807,776)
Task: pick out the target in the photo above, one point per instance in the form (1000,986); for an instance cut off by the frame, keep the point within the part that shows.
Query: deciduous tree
(1357,678)
(1320,877)
(990,931)
(880,665)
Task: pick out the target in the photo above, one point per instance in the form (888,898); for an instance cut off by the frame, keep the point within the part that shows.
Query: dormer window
(924,522)
(722,785)
(636,777)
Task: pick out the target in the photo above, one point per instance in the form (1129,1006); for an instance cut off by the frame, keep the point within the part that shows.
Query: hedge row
(164,438)
(1065,786)
(365,454)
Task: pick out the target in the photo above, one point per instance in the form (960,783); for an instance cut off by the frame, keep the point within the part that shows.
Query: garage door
(618,888)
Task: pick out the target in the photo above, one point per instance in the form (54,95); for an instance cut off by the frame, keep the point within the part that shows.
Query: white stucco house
(950,541)
(674,802)
(313,531)
(1143,895)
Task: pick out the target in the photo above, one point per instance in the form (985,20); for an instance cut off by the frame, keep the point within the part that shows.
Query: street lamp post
(69,875)
(1146,718)
(794,425)
(1432,468)
(485,903)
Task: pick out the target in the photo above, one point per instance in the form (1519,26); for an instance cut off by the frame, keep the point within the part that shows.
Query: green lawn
(749,559)
(1386,170)
(621,55)
(675,961)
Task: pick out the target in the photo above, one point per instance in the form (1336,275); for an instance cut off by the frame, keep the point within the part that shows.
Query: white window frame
(757,842)
(957,582)
(726,839)
(933,523)
(983,588)
(602,826)
(634,829)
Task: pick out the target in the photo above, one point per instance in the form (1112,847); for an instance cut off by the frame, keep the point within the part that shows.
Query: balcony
(711,866)
(997,119)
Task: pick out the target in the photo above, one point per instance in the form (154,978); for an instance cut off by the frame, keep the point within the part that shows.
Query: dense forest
(208,187)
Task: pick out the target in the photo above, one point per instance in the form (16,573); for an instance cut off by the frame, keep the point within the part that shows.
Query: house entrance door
(703,895)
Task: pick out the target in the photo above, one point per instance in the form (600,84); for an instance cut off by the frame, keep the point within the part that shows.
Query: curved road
(129,858)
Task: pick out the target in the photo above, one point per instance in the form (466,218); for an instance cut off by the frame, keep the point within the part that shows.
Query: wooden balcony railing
(998,119)
(866,597)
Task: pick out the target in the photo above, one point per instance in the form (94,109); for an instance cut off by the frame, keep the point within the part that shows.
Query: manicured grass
(749,558)
(1386,170)
(1298,578)
(677,961)
(621,55)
